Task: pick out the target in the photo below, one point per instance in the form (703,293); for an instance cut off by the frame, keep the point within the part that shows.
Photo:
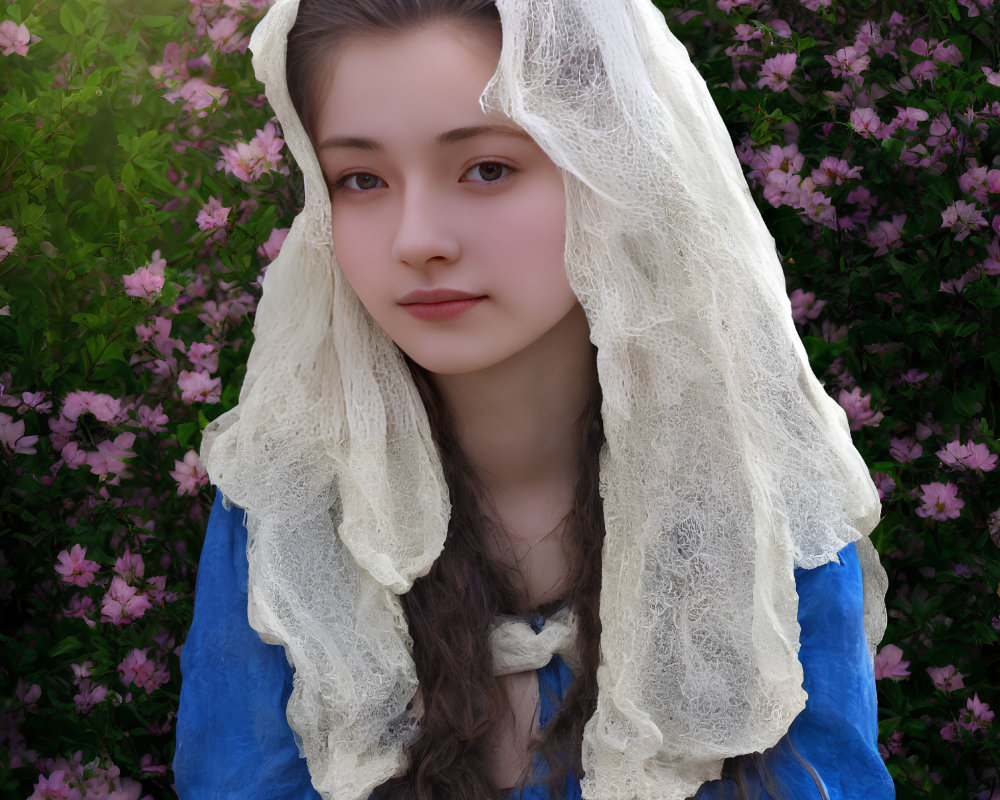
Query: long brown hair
(450,611)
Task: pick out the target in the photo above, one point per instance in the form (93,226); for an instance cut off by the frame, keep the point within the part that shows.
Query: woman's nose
(426,232)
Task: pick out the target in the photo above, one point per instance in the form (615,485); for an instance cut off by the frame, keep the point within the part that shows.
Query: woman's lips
(435,304)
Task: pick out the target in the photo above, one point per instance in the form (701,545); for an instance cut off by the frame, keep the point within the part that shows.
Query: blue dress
(233,739)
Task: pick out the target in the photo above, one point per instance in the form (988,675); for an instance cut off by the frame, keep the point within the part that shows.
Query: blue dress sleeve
(836,734)
(233,739)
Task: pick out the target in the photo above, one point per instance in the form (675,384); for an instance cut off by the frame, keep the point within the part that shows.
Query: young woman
(530,491)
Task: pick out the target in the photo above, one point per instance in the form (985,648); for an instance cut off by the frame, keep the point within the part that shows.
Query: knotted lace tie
(518,648)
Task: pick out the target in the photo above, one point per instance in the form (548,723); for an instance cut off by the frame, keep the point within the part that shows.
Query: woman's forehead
(424,83)
(426,59)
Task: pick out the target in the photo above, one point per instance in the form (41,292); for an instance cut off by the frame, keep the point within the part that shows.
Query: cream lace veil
(726,464)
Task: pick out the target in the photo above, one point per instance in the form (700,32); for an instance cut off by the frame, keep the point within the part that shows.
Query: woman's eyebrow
(448,137)
(459,134)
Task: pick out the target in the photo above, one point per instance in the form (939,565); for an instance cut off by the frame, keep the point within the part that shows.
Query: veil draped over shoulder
(726,464)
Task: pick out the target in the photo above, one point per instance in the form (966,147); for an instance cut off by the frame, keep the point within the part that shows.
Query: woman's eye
(487,172)
(360,181)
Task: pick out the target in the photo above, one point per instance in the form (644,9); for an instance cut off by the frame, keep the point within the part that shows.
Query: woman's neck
(516,421)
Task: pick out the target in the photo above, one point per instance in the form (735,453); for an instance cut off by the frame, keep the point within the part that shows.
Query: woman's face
(449,223)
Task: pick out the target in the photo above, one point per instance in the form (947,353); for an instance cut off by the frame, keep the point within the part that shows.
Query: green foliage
(910,324)
(106,160)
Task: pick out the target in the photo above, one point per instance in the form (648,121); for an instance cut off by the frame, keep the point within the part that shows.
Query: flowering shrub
(141,189)
(870,135)
(144,187)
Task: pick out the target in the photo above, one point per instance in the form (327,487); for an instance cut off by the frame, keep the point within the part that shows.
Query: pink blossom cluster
(146,282)
(71,779)
(186,81)
(968,456)
(103,584)
(138,669)
(977,716)
(249,161)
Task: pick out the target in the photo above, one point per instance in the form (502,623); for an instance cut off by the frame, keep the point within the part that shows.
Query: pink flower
(848,63)
(815,205)
(950,732)
(204,356)
(123,603)
(893,746)
(28,693)
(109,460)
(153,419)
(35,401)
(56,786)
(80,607)
(14,38)
(157,588)
(889,664)
(865,121)
(189,474)
(729,5)
(13,439)
(977,714)
(886,235)
(89,696)
(8,241)
(81,671)
(130,566)
(924,70)
(198,95)
(223,33)
(956,285)
(968,456)
(963,218)
(992,76)
(248,161)
(776,71)
(884,484)
(272,246)
(73,456)
(75,567)
(973,6)
(158,331)
(146,282)
(199,386)
(149,768)
(974,717)
(103,406)
(946,678)
(914,376)
(858,408)
(973,181)
(805,306)
(213,215)
(146,673)
(910,117)
(947,53)
(834,171)
(940,501)
(905,449)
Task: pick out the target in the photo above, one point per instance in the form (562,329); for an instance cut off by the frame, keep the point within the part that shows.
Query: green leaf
(67,645)
(71,23)
(155,21)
